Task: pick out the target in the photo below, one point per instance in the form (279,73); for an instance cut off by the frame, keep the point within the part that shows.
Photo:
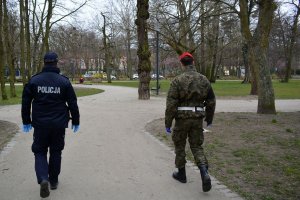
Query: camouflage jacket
(190,89)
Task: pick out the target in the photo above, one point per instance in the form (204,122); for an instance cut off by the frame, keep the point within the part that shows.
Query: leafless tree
(107,49)
(8,44)
(124,18)
(292,40)
(257,43)
(42,17)
(144,65)
(2,55)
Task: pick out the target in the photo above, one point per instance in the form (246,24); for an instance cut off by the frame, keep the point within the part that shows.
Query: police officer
(53,98)
(190,100)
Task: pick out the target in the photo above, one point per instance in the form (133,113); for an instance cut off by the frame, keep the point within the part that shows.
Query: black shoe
(53,186)
(206,182)
(44,190)
(180,175)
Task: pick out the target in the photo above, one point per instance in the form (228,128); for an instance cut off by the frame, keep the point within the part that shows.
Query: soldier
(190,100)
(48,92)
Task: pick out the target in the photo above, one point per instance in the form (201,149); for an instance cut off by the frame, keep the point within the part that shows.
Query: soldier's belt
(194,109)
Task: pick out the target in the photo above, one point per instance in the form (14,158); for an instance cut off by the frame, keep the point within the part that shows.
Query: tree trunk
(183,22)
(202,42)
(28,43)
(258,51)
(47,27)
(129,62)
(2,57)
(144,64)
(108,57)
(244,15)
(246,63)
(216,29)
(22,43)
(9,51)
(291,46)
(254,84)
(37,50)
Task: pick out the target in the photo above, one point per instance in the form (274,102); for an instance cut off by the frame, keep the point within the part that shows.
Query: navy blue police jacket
(52,98)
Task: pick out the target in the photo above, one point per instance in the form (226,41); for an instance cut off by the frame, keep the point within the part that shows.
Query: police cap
(50,57)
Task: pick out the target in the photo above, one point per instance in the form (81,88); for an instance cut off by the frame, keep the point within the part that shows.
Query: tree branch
(70,13)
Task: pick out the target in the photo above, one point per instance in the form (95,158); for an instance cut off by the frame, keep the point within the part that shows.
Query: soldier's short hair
(187,61)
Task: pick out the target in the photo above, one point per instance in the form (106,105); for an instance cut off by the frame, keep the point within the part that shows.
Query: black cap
(50,57)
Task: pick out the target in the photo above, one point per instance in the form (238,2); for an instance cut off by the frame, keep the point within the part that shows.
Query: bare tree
(258,43)
(144,65)
(2,55)
(214,44)
(107,48)
(185,26)
(9,49)
(125,19)
(22,42)
(258,57)
(27,39)
(292,40)
(202,41)
(246,8)
(42,19)
(178,25)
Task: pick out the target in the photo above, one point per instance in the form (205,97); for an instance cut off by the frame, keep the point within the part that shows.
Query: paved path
(112,157)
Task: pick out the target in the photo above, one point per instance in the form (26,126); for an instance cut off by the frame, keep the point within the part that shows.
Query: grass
(80,92)
(289,90)
(255,157)
(260,169)
(224,88)
(19,89)
(221,88)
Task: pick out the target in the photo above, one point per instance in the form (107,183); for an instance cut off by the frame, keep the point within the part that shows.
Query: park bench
(154,89)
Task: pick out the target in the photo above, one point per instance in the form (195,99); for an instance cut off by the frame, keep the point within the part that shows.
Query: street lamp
(157,56)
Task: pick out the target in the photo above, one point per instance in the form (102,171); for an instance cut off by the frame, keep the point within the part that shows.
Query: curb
(215,183)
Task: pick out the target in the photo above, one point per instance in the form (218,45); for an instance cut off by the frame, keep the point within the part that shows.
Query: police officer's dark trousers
(54,139)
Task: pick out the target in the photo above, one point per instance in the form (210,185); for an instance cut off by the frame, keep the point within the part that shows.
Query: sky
(86,15)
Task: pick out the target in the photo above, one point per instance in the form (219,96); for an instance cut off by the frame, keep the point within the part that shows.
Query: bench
(155,89)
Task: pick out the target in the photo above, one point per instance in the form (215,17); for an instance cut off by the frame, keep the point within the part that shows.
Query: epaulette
(35,75)
(65,76)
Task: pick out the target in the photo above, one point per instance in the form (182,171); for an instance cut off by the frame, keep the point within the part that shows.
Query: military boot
(180,175)
(206,182)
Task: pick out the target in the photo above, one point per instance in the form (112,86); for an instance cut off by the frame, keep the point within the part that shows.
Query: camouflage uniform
(190,89)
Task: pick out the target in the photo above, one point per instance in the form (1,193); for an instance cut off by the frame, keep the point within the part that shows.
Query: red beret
(185,54)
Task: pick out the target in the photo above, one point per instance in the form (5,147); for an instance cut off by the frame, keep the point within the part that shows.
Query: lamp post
(157,55)
(157,62)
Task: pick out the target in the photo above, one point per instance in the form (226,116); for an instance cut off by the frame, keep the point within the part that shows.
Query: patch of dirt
(7,131)
(257,156)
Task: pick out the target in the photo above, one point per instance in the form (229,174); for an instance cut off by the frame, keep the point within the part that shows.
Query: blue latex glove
(75,128)
(168,131)
(27,128)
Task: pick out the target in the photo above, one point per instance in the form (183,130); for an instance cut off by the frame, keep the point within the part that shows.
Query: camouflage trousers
(191,129)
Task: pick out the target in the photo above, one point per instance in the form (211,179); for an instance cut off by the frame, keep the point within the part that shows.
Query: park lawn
(19,89)
(257,156)
(80,92)
(223,88)
(289,90)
